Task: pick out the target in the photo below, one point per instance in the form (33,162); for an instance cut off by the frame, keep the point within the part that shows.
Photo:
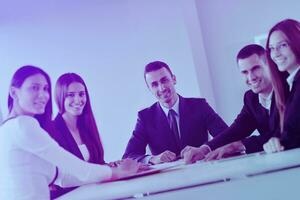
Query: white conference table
(201,176)
(271,186)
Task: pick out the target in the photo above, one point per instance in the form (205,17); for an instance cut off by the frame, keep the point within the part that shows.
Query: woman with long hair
(283,54)
(30,160)
(76,129)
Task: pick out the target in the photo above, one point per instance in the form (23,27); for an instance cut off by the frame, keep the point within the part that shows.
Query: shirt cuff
(208,147)
(242,147)
(55,177)
(146,159)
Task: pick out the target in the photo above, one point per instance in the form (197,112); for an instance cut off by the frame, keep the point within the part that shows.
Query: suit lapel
(290,95)
(184,119)
(69,142)
(295,82)
(262,112)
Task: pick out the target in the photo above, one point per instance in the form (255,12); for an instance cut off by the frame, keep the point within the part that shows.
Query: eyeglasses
(279,47)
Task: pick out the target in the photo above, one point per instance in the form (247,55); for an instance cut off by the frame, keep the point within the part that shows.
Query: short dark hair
(156,65)
(249,50)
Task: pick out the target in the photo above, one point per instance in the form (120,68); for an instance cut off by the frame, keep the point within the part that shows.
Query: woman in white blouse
(30,160)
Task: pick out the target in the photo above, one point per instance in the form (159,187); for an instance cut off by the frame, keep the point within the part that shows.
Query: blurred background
(108,42)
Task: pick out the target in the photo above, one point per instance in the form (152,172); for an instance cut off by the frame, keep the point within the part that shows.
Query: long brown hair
(86,122)
(291,29)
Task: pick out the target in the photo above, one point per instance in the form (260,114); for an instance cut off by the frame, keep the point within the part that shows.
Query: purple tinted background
(108,42)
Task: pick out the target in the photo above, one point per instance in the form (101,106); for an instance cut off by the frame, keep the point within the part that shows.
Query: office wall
(108,42)
(226,27)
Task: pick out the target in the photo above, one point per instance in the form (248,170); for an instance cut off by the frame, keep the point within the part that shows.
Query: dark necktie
(173,126)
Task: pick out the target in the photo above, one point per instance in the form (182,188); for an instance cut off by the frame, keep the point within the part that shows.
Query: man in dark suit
(173,122)
(255,114)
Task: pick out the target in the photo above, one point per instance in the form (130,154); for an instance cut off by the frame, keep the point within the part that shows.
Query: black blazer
(64,138)
(290,137)
(252,116)
(152,128)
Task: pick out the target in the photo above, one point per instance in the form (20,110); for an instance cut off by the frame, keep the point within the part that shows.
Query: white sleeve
(72,171)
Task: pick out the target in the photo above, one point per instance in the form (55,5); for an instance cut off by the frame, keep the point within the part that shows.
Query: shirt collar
(290,78)
(265,101)
(175,107)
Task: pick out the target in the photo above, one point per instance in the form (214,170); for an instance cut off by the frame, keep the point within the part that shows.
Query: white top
(266,102)
(28,158)
(84,151)
(290,78)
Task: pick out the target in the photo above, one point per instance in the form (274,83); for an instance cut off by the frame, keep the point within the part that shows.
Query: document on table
(169,165)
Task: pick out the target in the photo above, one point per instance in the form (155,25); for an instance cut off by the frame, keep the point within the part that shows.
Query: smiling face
(254,70)
(281,52)
(75,99)
(161,83)
(32,97)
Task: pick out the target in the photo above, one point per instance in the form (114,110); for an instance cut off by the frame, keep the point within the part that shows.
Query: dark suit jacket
(64,138)
(152,128)
(290,137)
(252,116)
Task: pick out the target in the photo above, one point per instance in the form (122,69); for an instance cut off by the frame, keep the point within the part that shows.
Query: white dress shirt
(28,160)
(266,101)
(290,78)
(176,109)
(84,152)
